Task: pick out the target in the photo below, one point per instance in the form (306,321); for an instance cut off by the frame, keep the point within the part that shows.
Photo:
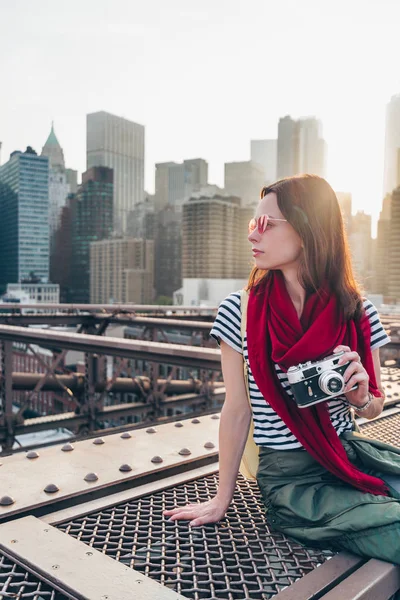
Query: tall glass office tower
(24,217)
(117,143)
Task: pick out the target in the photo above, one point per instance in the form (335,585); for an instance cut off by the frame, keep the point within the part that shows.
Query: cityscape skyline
(238,90)
(357,207)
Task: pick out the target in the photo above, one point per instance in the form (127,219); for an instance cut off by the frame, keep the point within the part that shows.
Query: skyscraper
(394,247)
(175,182)
(72,180)
(392,145)
(168,251)
(214,238)
(122,270)
(91,220)
(345,203)
(382,249)
(117,143)
(264,152)
(244,180)
(59,187)
(141,220)
(301,148)
(216,254)
(61,258)
(312,147)
(287,148)
(361,248)
(24,217)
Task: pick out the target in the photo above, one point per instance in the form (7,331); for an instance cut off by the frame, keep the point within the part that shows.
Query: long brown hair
(310,205)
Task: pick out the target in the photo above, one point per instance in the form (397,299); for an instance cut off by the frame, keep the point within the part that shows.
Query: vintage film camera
(314,382)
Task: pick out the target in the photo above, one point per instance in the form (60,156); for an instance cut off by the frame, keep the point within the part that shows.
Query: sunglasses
(261,223)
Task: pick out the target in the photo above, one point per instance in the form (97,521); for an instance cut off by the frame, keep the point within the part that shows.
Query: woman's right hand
(199,514)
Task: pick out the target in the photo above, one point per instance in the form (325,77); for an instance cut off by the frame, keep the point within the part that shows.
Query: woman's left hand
(355,373)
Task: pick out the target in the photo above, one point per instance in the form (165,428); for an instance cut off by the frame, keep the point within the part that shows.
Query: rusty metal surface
(238,558)
(18,583)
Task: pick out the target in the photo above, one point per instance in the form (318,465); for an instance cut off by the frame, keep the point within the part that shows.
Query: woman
(321,482)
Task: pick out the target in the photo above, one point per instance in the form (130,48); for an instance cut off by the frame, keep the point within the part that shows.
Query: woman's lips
(255,252)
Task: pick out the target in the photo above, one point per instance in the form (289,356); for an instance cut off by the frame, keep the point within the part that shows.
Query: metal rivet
(55,566)
(126,435)
(51,488)
(67,448)
(156,459)
(185,452)
(98,441)
(151,430)
(215,417)
(89,553)
(32,454)
(91,477)
(209,445)
(125,468)
(179,424)
(195,421)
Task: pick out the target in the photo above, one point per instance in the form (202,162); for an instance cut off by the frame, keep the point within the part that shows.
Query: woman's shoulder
(369,306)
(228,321)
(379,336)
(232,301)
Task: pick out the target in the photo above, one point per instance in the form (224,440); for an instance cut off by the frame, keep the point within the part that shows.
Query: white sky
(204,77)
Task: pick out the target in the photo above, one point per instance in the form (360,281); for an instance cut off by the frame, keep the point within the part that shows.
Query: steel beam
(376,580)
(75,568)
(64,472)
(175,354)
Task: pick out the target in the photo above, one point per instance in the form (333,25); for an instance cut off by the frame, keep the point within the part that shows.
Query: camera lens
(331,383)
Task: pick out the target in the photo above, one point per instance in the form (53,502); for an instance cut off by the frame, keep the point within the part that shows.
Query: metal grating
(18,583)
(385,429)
(237,558)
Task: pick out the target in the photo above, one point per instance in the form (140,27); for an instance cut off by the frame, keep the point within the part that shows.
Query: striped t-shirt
(269,429)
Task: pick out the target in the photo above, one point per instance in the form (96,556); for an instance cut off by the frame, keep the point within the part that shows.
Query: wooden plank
(322,578)
(25,479)
(76,567)
(375,580)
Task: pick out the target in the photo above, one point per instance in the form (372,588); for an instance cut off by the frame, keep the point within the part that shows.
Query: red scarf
(272,318)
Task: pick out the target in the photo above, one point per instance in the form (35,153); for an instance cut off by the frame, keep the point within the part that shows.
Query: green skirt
(308,503)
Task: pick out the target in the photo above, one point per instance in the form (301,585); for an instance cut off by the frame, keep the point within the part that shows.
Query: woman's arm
(376,405)
(356,374)
(235,422)
(233,431)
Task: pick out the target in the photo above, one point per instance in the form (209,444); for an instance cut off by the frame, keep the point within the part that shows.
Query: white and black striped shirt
(269,429)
